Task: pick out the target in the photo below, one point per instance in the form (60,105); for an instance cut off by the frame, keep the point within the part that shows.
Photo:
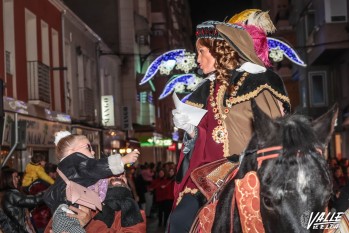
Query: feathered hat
(258,24)
(208,30)
(236,36)
(256,17)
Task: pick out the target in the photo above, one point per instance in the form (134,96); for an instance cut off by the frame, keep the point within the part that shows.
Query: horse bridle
(274,152)
(268,153)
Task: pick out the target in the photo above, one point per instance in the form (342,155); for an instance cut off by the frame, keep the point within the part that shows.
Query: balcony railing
(39,82)
(86,103)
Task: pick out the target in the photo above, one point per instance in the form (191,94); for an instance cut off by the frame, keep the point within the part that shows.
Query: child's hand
(130,157)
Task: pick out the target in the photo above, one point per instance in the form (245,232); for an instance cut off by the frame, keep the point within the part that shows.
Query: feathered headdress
(256,17)
(258,24)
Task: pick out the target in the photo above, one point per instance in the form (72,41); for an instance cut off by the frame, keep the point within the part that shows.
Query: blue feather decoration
(171,84)
(287,50)
(155,65)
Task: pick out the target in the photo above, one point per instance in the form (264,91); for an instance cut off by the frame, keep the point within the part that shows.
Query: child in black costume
(78,164)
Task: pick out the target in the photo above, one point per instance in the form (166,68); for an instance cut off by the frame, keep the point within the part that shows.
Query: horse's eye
(268,203)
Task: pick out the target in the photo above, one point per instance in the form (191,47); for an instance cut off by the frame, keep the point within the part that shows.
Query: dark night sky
(202,10)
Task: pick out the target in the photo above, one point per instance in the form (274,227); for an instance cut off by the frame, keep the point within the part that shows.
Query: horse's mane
(297,134)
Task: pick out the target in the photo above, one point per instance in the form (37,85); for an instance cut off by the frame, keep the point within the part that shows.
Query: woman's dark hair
(50,167)
(38,157)
(6,179)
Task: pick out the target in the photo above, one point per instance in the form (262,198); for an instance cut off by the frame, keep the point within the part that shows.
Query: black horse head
(293,184)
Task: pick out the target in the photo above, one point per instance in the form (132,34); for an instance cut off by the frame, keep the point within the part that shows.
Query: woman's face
(42,163)
(83,146)
(15,178)
(205,60)
(161,173)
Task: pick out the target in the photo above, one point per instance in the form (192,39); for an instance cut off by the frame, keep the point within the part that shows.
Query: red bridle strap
(268,150)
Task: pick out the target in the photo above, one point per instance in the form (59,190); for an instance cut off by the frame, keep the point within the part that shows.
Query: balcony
(86,104)
(39,83)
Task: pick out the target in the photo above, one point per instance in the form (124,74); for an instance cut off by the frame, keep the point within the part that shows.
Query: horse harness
(247,192)
(246,195)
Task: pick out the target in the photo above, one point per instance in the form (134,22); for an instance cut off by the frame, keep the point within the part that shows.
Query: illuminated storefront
(36,129)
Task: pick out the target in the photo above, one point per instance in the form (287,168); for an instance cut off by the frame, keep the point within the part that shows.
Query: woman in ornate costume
(235,74)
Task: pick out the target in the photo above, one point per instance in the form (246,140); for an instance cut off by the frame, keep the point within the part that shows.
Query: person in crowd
(6,226)
(130,176)
(41,215)
(341,199)
(16,204)
(77,163)
(35,170)
(168,203)
(141,186)
(147,174)
(161,186)
(121,212)
(339,179)
(51,170)
(235,75)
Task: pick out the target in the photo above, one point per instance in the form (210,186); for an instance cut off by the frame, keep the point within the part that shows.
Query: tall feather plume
(255,17)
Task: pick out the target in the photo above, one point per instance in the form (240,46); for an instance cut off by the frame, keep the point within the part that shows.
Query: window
(309,22)
(335,11)
(318,88)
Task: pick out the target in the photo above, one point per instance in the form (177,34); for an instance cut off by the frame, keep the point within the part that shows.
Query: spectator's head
(51,170)
(9,179)
(39,158)
(171,172)
(67,144)
(338,172)
(161,173)
(333,163)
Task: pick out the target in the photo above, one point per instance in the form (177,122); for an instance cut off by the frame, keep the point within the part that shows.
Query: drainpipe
(15,143)
(99,96)
(66,100)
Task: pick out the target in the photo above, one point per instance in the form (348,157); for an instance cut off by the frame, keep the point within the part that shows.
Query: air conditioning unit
(336,11)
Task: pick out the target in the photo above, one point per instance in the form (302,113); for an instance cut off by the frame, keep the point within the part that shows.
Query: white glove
(181,121)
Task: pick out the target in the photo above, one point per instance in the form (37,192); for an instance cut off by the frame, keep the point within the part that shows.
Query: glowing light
(179,87)
(183,79)
(276,54)
(167,66)
(194,82)
(155,65)
(186,62)
(288,51)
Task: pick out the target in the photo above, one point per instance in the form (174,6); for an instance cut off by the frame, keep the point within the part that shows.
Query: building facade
(52,76)
(139,31)
(319,30)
